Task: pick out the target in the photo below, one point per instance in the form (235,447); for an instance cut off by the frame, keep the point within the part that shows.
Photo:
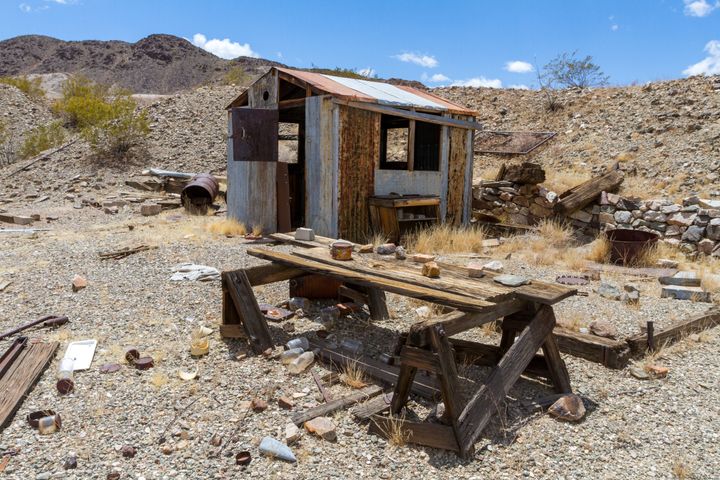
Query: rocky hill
(666,135)
(155,64)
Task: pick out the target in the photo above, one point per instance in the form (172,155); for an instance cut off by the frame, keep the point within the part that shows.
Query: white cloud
(279,54)
(25,7)
(436,78)
(699,8)
(366,72)
(518,66)
(63,2)
(223,48)
(521,86)
(427,61)
(479,82)
(614,27)
(710,65)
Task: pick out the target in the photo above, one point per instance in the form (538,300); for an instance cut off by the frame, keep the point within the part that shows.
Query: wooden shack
(355,139)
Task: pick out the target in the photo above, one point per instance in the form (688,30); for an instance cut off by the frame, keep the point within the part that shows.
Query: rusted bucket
(626,246)
(200,193)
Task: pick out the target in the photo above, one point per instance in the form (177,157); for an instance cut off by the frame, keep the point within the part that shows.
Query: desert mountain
(154,64)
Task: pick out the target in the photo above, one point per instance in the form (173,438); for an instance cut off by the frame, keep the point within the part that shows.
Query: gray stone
(682,219)
(706,246)
(150,209)
(622,216)
(603,328)
(569,408)
(713,229)
(386,249)
(400,253)
(678,292)
(693,234)
(511,280)
(714,204)
(582,216)
(606,218)
(670,209)
(673,230)
(652,216)
(493,266)
(608,290)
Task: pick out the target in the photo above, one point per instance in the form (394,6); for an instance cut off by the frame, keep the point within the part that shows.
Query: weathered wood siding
(404,182)
(359,149)
(467,196)
(251,190)
(457,161)
(321,169)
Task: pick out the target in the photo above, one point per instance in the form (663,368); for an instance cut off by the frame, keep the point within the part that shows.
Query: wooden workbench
(527,326)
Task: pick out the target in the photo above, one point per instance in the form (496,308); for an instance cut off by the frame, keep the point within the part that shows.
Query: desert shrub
(7,145)
(42,138)
(107,119)
(237,76)
(567,70)
(445,238)
(31,88)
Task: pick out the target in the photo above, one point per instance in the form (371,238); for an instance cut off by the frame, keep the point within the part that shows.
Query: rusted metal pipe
(200,193)
(48,321)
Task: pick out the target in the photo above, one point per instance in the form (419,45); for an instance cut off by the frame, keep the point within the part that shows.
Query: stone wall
(693,226)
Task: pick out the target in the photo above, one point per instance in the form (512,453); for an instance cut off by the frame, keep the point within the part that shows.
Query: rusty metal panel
(255,134)
(456,176)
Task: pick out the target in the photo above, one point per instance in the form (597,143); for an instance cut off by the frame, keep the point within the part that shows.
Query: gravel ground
(636,429)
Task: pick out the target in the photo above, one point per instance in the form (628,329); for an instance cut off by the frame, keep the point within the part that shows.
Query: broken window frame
(430,165)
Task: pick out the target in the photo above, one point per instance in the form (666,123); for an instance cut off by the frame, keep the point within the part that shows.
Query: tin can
(341,250)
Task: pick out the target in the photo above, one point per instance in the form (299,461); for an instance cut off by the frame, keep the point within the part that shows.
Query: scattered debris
(78,283)
(270,447)
(431,270)
(47,321)
(124,252)
(81,352)
(511,280)
(305,234)
(322,427)
(569,408)
(243,458)
(144,363)
(187,376)
(302,362)
(193,272)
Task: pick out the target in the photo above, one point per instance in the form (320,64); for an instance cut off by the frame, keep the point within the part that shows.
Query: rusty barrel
(627,245)
(200,192)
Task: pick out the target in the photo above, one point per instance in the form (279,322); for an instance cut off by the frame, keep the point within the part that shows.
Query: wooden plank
(403,386)
(373,406)
(320,200)
(397,112)
(271,273)
(457,322)
(19,379)
(353,294)
(467,352)
(637,272)
(323,391)
(253,320)
(426,387)
(456,177)
(366,280)
(676,332)
(283,197)
(419,358)
(230,314)
(488,400)
(610,353)
(581,195)
(556,366)
(410,273)
(377,304)
(337,404)
(359,146)
(422,433)
(448,378)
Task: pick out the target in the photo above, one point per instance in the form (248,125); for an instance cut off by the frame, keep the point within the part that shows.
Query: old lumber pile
(583,194)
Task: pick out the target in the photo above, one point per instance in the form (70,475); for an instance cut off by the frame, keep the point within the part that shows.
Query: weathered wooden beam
(610,353)
(271,273)
(252,319)
(373,406)
(422,433)
(583,194)
(674,333)
(488,400)
(337,404)
(377,304)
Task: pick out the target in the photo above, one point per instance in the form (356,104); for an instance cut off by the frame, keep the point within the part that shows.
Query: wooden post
(651,335)
(377,304)
(248,310)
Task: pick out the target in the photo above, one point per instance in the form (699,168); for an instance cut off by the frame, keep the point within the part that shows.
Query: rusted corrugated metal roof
(375,92)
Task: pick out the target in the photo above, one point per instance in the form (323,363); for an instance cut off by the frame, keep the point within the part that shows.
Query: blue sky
(439,42)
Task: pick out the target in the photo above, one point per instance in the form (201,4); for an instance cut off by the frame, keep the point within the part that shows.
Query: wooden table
(527,327)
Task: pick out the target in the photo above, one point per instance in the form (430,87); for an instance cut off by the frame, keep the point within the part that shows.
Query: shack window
(394,136)
(409,144)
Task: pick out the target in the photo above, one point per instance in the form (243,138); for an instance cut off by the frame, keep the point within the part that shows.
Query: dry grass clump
(548,245)
(562,180)
(257,230)
(159,379)
(681,469)
(394,431)
(353,375)
(228,227)
(555,233)
(376,239)
(599,250)
(445,238)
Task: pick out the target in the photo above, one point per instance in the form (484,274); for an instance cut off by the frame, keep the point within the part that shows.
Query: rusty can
(341,250)
(199,193)
(49,424)
(132,354)
(144,363)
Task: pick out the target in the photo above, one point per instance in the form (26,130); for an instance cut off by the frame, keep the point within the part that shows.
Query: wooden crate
(395,216)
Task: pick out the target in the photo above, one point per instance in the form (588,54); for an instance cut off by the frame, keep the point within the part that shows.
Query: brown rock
(431,270)
(603,328)
(322,427)
(286,403)
(216,440)
(569,408)
(657,371)
(422,258)
(366,248)
(525,173)
(78,283)
(259,405)
(150,209)
(128,451)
